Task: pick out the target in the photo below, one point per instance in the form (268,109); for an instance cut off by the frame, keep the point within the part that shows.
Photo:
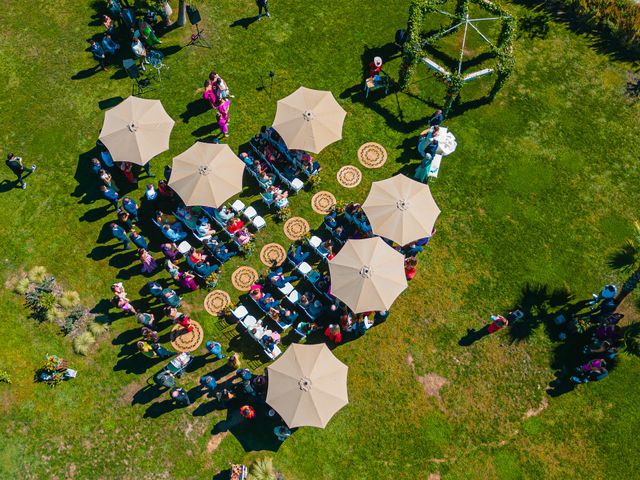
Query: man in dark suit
(263,4)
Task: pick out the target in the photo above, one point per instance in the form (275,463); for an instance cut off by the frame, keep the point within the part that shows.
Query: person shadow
(7,185)
(473,336)
(244,22)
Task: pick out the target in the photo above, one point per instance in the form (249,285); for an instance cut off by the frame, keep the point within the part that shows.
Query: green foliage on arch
(414,47)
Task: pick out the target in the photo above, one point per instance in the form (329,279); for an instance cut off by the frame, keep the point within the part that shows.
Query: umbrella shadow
(255,434)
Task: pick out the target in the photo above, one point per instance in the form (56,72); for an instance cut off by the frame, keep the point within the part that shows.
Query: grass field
(541,190)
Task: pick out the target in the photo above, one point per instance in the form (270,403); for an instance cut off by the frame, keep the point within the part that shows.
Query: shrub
(98,329)
(72,319)
(262,469)
(4,376)
(69,299)
(40,302)
(83,342)
(37,274)
(22,286)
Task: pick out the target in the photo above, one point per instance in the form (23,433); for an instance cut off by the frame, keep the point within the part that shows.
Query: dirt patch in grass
(215,441)
(434,476)
(431,382)
(532,412)
(129,391)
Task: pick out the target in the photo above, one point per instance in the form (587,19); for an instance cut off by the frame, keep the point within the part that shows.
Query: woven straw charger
(273,253)
(184,341)
(216,301)
(323,202)
(372,155)
(243,278)
(349,176)
(296,228)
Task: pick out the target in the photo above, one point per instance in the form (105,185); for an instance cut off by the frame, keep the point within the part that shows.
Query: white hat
(377,61)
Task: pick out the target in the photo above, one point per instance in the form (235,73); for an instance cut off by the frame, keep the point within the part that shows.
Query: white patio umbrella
(307,385)
(367,275)
(136,130)
(206,174)
(401,209)
(309,119)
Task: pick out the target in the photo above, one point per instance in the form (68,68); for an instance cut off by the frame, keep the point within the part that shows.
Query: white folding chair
(237,206)
(184,247)
(286,290)
(250,213)
(240,312)
(259,222)
(304,268)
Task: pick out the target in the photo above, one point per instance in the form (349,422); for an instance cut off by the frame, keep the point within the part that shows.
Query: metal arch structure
(414,49)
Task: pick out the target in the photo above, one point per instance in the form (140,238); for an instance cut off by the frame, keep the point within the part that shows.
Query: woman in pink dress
(187,280)
(209,95)
(223,117)
(148,262)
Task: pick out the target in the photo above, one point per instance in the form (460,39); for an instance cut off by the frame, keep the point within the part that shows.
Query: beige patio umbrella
(206,174)
(136,130)
(401,209)
(309,119)
(367,275)
(307,385)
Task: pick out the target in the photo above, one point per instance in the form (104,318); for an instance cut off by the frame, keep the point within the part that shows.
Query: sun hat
(377,61)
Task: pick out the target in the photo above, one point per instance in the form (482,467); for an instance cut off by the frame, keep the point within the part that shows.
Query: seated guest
(107,179)
(333,333)
(280,198)
(203,228)
(412,250)
(172,269)
(269,341)
(170,251)
(265,179)
(109,45)
(256,292)
(223,214)
(172,233)
(222,253)
(326,247)
(165,190)
(196,256)
(266,302)
(234,225)
(146,319)
(315,309)
(208,383)
(288,316)
(96,166)
(307,328)
(330,220)
(150,194)
(247,159)
(187,281)
(279,280)
(340,234)
(296,255)
(204,269)
(306,299)
(243,236)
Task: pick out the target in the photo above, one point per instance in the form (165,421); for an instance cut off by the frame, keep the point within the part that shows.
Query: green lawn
(541,191)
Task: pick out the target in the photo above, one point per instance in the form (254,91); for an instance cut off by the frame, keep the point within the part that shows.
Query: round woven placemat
(184,341)
(372,155)
(243,278)
(216,301)
(295,228)
(349,176)
(273,252)
(323,202)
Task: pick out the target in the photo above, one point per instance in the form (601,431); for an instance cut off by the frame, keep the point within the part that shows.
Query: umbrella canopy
(309,119)
(307,385)
(136,130)
(367,275)
(401,209)
(206,174)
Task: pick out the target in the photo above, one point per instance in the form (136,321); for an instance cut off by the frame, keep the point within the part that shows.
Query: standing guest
(220,86)
(422,172)
(173,234)
(431,149)
(125,220)
(148,262)
(15,165)
(167,172)
(109,45)
(145,349)
(127,171)
(209,94)
(208,383)
(147,169)
(138,240)
(375,67)
(96,167)
(234,361)
(247,411)
(498,322)
(437,118)
(180,396)
(214,348)
(119,234)
(263,4)
(124,305)
(115,8)
(130,206)
(139,51)
(108,24)
(147,34)
(160,351)
(410,270)
(107,179)
(223,116)
(150,194)
(170,251)
(333,333)
(118,290)
(146,319)
(149,334)
(98,53)
(172,269)
(165,190)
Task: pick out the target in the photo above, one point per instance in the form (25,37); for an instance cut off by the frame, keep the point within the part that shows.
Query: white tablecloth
(446,142)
